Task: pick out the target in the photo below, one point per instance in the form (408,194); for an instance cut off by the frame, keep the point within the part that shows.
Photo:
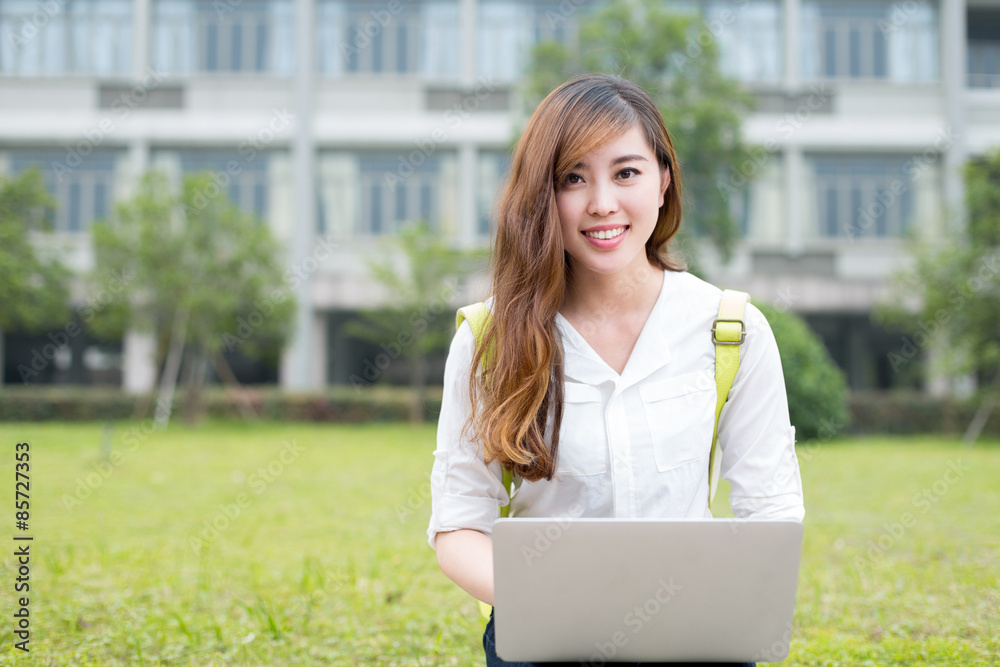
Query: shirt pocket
(680,413)
(583,446)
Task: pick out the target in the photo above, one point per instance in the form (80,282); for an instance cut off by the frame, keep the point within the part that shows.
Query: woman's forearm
(466,556)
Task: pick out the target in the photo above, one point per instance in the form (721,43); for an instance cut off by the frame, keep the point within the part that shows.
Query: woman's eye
(628,173)
(573,178)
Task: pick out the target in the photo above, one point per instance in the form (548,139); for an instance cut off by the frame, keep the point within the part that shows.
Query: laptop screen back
(604,590)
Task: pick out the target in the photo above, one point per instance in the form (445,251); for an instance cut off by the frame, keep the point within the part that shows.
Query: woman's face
(609,203)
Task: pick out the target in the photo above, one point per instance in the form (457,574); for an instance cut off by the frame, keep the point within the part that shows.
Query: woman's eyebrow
(629,158)
(617,160)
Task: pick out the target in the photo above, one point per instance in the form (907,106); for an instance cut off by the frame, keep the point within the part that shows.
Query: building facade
(407,109)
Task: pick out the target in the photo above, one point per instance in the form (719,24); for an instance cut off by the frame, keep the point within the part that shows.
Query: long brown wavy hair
(522,387)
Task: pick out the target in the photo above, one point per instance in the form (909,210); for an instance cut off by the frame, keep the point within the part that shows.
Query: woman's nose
(602,201)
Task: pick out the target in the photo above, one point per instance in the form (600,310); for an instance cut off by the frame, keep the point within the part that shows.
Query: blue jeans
(490,647)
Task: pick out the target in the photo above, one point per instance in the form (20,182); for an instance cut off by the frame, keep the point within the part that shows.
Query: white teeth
(607,233)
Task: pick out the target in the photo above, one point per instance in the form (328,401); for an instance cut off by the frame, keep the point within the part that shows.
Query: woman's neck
(590,294)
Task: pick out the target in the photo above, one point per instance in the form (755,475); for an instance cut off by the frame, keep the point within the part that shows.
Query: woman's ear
(664,182)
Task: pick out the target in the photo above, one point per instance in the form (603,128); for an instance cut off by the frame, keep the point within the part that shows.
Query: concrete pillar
(793,55)
(467,17)
(937,380)
(142,21)
(795,214)
(138,163)
(793,159)
(296,361)
(138,349)
(138,362)
(953,77)
(467,188)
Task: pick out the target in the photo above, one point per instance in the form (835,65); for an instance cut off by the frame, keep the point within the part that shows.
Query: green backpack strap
(729,330)
(478,316)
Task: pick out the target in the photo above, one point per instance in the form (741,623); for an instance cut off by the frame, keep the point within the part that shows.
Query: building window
(984,64)
(373,37)
(83,187)
(897,41)
(507,30)
(749,33)
(228,36)
(246,181)
(374,193)
(983,56)
(66,37)
(740,206)
(493,168)
(750,38)
(757,198)
(864,196)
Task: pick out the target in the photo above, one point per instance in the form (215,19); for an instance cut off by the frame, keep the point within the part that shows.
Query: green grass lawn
(305,545)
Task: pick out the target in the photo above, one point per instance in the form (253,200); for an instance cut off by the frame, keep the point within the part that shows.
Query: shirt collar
(651,352)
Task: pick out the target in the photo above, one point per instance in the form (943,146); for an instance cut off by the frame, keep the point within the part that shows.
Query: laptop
(644,590)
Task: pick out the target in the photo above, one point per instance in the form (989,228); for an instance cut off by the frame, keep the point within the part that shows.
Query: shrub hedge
(816,387)
(873,412)
(912,412)
(337,404)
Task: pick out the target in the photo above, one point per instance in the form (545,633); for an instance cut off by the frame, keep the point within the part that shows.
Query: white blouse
(636,444)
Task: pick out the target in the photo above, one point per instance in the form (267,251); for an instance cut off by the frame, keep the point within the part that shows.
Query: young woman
(600,393)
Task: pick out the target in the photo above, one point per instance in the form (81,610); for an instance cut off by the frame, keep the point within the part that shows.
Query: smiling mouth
(606,234)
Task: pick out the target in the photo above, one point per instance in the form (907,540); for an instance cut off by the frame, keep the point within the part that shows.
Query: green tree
(35,285)
(956,281)
(816,388)
(675,58)
(198,272)
(421,272)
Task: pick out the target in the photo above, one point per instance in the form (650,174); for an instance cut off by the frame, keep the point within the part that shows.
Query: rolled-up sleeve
(465,492)
(755,434)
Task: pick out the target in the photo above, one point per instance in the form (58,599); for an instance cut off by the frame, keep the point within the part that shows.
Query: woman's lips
(606,237)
